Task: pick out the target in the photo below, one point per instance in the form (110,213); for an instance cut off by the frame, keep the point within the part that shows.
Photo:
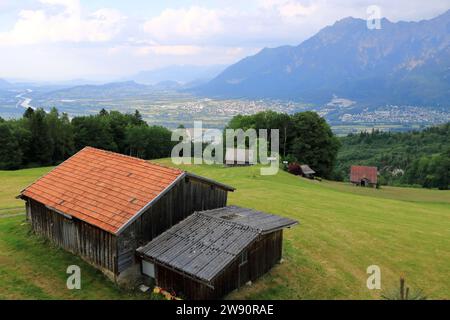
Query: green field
(343,230)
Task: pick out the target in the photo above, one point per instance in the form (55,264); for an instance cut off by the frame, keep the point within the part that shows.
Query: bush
(294,168)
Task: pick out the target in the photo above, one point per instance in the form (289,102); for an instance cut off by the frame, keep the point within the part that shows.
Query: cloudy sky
(106,39)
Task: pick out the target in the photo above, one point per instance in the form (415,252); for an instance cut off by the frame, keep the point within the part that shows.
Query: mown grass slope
(342,231)
(11,182)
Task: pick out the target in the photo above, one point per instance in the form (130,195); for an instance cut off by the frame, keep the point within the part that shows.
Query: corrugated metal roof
(262,221)
(306,169)
(206,242)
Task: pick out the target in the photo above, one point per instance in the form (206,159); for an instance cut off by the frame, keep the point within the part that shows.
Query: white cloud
(192,23)
(169,50)
(62,21)
(289,8)
(272,21)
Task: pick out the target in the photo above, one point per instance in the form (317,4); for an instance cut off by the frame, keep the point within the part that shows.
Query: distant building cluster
(396,114)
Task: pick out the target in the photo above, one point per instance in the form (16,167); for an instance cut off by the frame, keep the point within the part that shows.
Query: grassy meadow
(343,230)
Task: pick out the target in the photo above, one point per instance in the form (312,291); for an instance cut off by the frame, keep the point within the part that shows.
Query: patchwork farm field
(343,230)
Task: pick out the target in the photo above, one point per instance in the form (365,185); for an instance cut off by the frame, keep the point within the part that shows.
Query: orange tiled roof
(102,188)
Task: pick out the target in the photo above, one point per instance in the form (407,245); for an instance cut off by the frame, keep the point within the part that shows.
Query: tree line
(419,158)
(40,138)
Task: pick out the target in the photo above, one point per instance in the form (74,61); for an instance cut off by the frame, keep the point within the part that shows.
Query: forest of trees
(305,137)
(40,138)
(419,158)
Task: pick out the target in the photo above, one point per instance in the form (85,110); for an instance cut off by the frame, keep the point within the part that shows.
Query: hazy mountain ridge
(403,63)
(171,78)
(182,74)
(108,90)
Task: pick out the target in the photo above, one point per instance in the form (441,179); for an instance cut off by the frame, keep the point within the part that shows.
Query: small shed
(307,172)
(102,206)
(364,176)
(239,157)
(213,252)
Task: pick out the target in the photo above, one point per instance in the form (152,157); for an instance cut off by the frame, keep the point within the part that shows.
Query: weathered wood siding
(96,246)
(186,197)
(262,255)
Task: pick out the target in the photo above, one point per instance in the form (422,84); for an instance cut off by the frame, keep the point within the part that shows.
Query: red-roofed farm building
(364,176)
(103,206)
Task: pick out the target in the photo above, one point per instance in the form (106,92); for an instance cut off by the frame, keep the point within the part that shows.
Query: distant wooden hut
(213,252)
(102,206)
(306,171)
(364,176)
(239,157)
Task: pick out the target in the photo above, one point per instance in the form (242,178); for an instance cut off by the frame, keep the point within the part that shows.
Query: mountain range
(402,63)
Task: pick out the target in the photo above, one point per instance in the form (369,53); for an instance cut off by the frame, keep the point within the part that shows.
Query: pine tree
(41,148)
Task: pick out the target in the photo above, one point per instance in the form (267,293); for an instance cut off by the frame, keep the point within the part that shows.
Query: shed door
(69,234)
(148,269)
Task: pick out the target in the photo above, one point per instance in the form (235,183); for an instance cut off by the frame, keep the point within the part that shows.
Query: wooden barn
(103,206)
(307,172)
(213,252)
(239,157)
(364,176)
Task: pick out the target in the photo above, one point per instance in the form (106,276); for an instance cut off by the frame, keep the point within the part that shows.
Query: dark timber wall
(186,197)
(262,255)
(96,246)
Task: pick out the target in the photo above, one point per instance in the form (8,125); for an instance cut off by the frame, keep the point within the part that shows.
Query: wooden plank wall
(262,256)
(189,288)
(96,246)
(186,197)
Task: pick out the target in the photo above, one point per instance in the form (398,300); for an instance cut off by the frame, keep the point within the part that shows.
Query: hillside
(342,231)
(418,157)
(402,63)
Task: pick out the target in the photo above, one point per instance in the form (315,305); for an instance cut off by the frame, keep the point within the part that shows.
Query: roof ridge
(202,213)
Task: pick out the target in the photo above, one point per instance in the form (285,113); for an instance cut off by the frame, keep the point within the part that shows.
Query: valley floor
(343,230)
